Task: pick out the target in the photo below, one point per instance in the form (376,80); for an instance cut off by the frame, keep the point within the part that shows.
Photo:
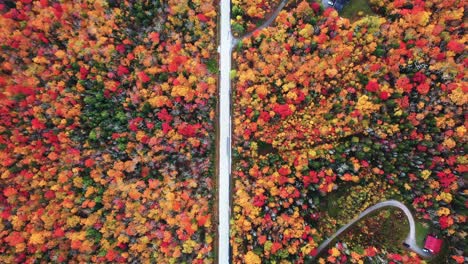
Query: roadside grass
(393,230)
(386,228)
(422,230)
(354,7)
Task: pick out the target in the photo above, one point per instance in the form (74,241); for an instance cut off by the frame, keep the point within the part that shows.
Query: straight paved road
(224,166)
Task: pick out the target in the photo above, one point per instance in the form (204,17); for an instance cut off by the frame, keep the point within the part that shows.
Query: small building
(337,4)
(433,244)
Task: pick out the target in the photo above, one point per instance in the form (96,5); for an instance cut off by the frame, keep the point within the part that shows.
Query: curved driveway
(410,241)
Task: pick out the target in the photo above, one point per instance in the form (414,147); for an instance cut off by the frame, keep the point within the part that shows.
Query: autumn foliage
(323,105)
(107,131)
(245,14)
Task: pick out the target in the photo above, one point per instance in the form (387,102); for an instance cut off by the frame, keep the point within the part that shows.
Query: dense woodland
(108,130)
(333,116)
(107,114)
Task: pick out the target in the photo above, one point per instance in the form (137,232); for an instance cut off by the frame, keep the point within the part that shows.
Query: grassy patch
(354,7)
(333,209)
(266,148)
(422,229)
(387,228)
(332,205)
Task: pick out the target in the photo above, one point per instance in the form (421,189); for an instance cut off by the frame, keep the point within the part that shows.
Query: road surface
(224,166)
(410,241)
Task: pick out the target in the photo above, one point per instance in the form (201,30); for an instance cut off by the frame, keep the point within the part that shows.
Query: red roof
(433,244)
